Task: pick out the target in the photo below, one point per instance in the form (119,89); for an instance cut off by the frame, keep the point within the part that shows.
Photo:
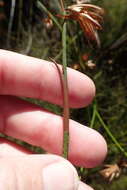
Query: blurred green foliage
(29,35)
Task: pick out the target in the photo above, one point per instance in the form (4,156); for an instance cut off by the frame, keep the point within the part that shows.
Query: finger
(41,172)
(26,76)
(29,123)
(83,186)
(8,149)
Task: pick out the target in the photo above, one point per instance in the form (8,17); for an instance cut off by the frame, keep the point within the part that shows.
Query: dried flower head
(89,17)
(111,171)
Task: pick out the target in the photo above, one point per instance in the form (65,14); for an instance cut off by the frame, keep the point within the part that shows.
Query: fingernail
(60,176)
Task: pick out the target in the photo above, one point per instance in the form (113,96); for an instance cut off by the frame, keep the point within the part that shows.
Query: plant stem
(93,116)
(65,92)
(64,87)
(64,62)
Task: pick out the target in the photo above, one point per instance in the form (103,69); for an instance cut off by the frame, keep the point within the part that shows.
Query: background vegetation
(25,29)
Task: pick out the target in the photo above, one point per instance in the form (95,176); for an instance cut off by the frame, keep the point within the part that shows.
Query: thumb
(40,172)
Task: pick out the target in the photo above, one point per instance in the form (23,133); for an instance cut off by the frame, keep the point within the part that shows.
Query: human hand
(20,169)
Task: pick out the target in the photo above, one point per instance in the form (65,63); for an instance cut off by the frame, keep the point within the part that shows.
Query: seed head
(111,171)
(89,17)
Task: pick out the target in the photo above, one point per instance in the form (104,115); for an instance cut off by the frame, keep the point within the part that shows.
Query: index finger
(22,75)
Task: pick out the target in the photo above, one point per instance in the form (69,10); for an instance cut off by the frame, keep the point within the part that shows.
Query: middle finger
(39,127)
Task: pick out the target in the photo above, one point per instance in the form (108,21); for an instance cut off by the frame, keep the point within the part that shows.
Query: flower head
(89,17)
(111,171)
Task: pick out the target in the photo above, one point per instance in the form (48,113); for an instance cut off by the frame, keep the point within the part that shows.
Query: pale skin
(20,169)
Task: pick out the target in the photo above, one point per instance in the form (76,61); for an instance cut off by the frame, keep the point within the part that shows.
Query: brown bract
(89,17)
(111,171)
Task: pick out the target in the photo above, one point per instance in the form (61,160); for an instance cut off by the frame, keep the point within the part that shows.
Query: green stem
(93,116)
(65,92)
